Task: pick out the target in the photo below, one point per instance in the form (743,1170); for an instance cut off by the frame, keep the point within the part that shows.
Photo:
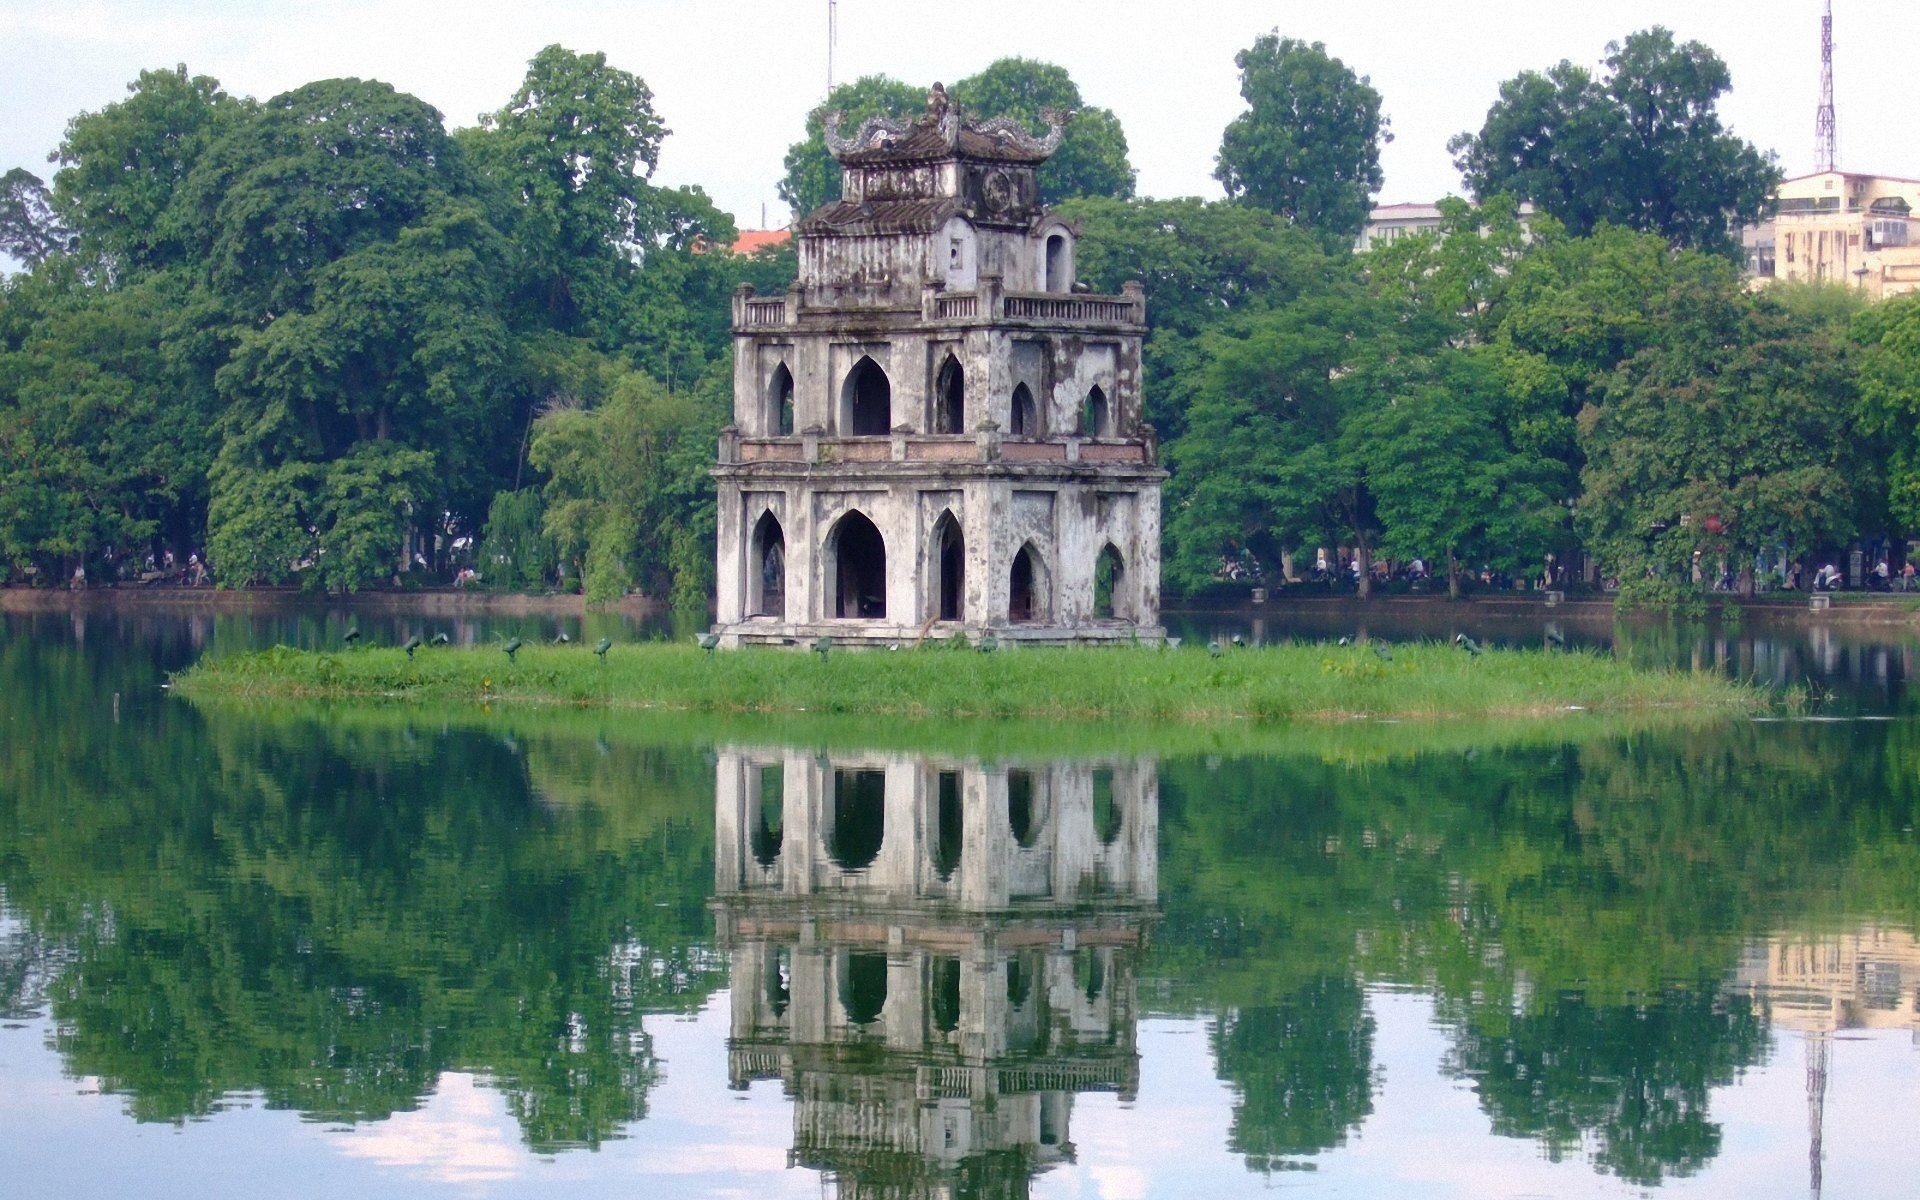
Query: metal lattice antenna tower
(833,35)
(1826,151)
(1819,1062)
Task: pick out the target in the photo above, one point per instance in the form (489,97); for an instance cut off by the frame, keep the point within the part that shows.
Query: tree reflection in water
(331,909)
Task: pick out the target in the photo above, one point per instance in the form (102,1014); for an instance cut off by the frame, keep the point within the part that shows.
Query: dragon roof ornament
(942,126)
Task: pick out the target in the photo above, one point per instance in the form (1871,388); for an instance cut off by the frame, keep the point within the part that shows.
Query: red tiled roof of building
(752,241)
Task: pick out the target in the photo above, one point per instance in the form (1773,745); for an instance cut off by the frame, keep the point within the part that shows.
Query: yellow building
(1839,227)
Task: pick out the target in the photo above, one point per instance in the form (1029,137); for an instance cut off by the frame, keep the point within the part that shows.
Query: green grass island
(1136,685)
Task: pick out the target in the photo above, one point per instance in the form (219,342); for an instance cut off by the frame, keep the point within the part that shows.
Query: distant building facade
(1388,223)
(1840,227)
(1391,222)
(936,431)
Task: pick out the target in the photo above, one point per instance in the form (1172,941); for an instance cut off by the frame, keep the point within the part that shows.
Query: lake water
(375,952)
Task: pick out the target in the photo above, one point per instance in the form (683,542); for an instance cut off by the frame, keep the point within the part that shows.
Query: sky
(734,80)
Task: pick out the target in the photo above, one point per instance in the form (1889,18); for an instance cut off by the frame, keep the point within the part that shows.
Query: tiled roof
(923,142)
(752,241)
(852,217)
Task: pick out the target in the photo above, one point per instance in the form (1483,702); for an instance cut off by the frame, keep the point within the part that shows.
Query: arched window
(944,993)
(857,569)
(1057,280)
(950,397)
(779,982)
(1027,591)
(859,819)
(1096,417)
(780,402)
(767,569)
(950,827)
(1026,414)
(768,814)
(1090,969)
(1026,808)
(863,987)
(866,401)
(1107,815)
(1109,585)
(949,570)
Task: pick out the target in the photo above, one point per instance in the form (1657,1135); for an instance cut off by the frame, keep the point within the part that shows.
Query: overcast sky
(734,79)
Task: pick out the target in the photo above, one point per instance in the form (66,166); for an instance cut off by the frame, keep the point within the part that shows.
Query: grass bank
(1141,686)
(1353,743)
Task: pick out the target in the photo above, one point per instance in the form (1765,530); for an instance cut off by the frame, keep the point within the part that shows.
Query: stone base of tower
(881,635)
(903,552)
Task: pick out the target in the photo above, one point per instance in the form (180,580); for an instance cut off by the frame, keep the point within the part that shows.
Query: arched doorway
(949,842)
(950,397)
(866,401)
(1026,808)
(1108,816)
(857,569)
(767,569)
(949,569)
(943,988)
(1026,414)
(766,832)
(780,402)
(1109,585)
(863,987)
(1057,263)
(1096,418)
(859,819)
(1027,588)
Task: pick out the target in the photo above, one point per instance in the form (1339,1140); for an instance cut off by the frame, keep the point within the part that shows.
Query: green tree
(1573,309)
(316,174)
(100,435)
(1308,146)
(515,551)
(1202,264)
(400,347)
(627,485)
(1641,146)
(1457,274)
(124,169)
(1092,158)
(569,160)
(1091,161)
(812,175)
(1635,1078)
(1446,481)
(1302,1071)
(1737,437)
(1268,459)
(29,228)
(1888,335)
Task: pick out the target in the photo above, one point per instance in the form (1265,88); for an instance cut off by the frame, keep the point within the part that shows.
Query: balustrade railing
(935,448)
(1103,310)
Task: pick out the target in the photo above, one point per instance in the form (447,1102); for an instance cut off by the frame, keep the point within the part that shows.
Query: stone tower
(936,431)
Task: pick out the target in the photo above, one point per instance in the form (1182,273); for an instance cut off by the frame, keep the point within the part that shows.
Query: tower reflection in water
(933,956)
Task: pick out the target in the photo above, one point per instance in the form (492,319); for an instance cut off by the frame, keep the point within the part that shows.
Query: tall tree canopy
(1889,382)
(1201,264)
(124,168)
(1641,145)
(1092,159)
(29,229)
(310,335)
(1735,437)
(1308,146)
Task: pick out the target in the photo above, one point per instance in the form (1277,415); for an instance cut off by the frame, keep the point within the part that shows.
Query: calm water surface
(390,953)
